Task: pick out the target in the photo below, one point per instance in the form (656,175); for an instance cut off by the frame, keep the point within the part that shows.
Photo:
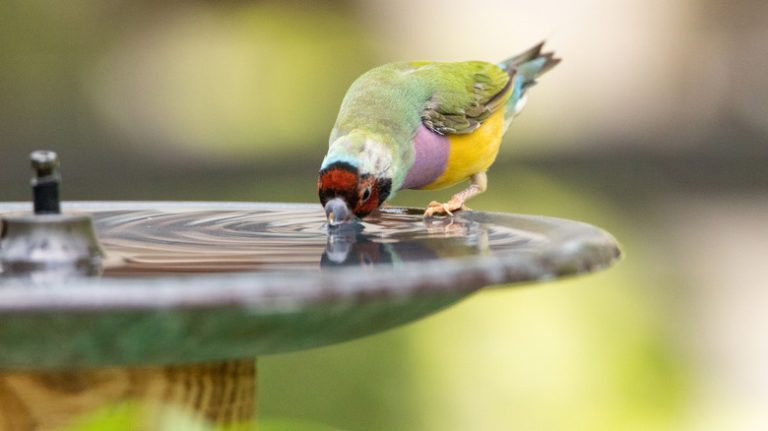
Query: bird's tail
(523,69)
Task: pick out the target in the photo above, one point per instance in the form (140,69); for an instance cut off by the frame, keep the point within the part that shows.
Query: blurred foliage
(231,81)
(182,82)
(291,425)
(131,416)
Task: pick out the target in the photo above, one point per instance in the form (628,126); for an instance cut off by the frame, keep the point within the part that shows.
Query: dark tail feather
(523,69)
(530,64)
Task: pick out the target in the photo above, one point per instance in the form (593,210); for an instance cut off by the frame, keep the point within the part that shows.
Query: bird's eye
(367,194)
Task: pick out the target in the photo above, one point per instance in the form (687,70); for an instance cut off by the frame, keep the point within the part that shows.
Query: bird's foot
(447,208)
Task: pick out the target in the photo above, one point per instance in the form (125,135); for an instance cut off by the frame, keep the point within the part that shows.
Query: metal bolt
(44,162)
(45,184)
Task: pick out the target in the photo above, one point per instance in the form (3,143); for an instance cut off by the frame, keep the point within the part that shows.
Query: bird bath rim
(582,248)
(91,322)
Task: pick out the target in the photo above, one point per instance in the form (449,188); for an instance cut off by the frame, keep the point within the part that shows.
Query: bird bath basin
(191,292)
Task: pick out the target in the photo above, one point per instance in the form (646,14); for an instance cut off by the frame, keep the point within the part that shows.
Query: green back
(387,104)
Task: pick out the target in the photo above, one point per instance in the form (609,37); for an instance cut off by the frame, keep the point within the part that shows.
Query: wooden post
(220,393)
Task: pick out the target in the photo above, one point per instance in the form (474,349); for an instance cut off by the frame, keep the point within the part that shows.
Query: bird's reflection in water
(354,244)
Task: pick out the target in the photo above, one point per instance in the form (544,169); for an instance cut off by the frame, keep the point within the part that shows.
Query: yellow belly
(471,153)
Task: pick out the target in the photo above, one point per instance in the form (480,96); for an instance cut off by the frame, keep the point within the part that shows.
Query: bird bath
(191,292)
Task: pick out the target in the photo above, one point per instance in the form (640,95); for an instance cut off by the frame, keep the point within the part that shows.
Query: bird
(423,125)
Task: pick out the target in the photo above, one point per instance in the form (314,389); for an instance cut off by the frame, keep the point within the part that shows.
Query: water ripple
(150,242)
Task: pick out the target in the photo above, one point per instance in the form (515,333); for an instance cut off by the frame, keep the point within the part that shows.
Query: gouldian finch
(422,125)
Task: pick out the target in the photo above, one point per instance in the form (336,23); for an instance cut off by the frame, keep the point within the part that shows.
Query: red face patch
(337,179)
(362,194)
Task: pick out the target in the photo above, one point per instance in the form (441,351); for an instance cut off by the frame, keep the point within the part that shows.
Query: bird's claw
(435,207)
(447,208)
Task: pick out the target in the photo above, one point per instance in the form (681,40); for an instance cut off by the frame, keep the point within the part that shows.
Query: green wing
(465,95)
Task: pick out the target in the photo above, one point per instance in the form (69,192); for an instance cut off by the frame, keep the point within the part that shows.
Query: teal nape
(196,281)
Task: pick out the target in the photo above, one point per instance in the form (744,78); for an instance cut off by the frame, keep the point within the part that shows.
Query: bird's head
(347,191)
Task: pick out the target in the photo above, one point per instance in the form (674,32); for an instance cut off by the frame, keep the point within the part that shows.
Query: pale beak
(337,212)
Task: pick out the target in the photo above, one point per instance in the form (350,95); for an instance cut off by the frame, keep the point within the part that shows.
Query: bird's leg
(478,184)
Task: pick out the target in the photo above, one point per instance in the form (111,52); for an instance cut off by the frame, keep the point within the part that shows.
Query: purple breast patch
(430,157)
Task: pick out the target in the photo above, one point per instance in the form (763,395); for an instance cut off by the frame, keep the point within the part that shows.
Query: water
(157,241)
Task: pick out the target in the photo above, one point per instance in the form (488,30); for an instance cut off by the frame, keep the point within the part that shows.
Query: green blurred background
(653,127)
